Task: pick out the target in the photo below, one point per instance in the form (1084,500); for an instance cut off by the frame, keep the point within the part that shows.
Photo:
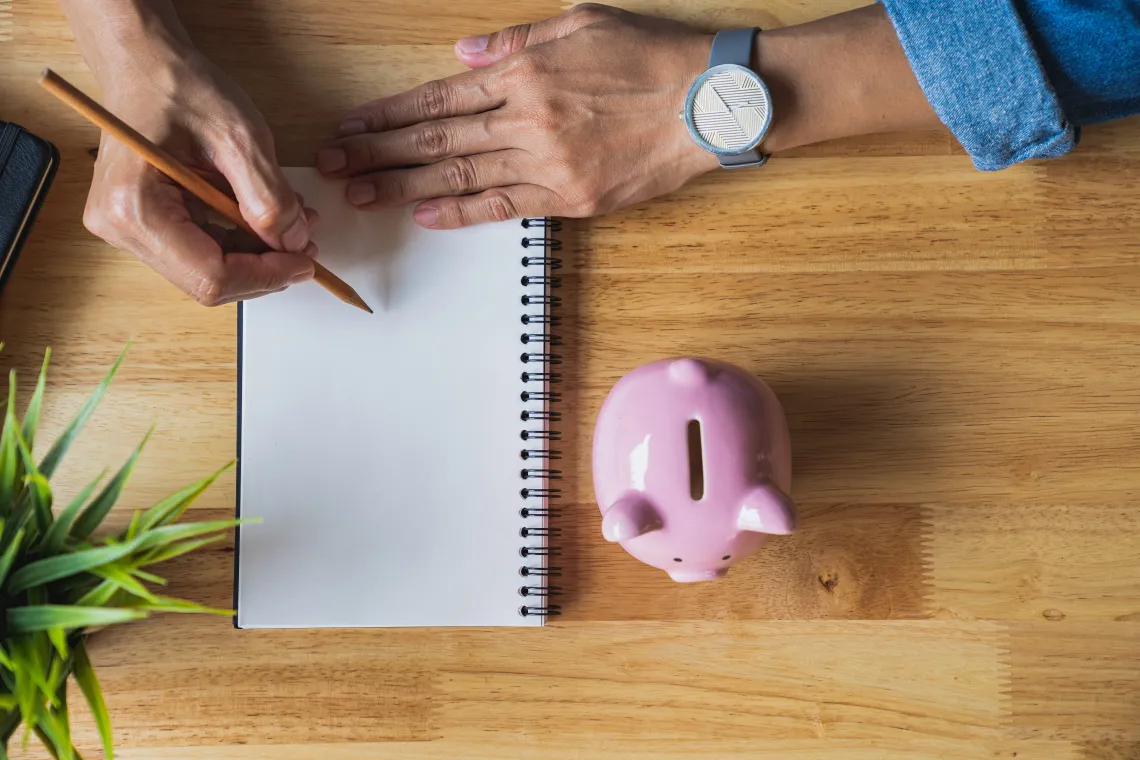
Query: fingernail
(426,216)
(472,44)
(331,160)
(352,127)
(360,193)
(297,236)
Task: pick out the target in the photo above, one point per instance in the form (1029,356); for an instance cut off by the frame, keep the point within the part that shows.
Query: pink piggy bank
(692,466)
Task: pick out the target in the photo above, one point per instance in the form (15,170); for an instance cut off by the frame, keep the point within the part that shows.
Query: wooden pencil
(173,168)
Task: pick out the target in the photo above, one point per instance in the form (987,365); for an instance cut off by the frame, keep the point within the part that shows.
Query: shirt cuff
(978,68)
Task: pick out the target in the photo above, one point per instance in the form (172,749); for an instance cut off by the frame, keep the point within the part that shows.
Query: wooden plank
(1076,680)
(1049,562)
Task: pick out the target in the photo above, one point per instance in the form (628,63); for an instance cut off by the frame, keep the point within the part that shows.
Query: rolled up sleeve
(976,62)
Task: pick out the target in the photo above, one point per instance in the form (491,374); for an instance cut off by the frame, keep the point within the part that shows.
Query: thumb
(478,52)
(266,200)
(249,275)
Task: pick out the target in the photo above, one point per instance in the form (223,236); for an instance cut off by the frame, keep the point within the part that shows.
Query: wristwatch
(728,109)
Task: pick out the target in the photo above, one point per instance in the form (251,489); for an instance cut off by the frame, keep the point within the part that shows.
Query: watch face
(728,109)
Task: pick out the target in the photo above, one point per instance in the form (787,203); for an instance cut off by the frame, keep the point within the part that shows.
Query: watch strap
(735,46)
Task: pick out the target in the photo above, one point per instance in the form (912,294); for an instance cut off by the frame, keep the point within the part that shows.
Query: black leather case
(27,167)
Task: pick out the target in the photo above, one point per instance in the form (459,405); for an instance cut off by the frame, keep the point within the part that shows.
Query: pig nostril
(676,559)
(727,557)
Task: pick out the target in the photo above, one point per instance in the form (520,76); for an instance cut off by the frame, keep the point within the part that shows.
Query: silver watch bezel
(690,97)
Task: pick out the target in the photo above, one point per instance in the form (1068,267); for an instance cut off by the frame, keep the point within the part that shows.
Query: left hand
(573,116)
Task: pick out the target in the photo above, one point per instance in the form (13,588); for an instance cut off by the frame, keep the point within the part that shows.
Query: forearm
(840,76)
(122,39)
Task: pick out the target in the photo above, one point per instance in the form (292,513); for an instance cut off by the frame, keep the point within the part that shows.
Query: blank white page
(382,452)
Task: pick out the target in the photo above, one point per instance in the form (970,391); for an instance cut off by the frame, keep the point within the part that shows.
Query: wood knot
(1053,616)
(829,581)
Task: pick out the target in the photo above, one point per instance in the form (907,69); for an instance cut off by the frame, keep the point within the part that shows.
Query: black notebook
(27,167)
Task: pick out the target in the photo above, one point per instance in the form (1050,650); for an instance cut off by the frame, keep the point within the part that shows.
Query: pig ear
(767,509)
(632,515)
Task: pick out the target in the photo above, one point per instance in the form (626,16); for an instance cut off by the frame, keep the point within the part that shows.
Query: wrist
(130,43)
(840,76)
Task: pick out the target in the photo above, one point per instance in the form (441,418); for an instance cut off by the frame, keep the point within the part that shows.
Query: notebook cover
(27,167)
(383,452)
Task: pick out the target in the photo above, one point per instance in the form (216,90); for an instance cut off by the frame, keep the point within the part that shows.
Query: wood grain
(958,354)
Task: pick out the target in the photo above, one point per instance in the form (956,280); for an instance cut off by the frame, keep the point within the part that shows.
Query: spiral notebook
(401,463)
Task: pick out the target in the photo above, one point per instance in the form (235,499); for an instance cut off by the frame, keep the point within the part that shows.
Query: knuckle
(523,68)
(117,210)
(500,207)
(432,140)
(514,37)
(434,99)
(266,214)
(208,290)
(590,12)
(459,175)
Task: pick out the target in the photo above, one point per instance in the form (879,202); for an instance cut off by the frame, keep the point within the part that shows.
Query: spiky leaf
(93,693)
(63,565)
(55,454)
(32,416)
(61,526)
(41,617)
(171,508)
(92,517)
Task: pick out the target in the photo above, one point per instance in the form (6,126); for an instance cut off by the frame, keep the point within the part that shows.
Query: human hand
(574,116)
(182,102)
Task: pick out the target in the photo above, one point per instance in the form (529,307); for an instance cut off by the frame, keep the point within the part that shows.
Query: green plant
(57,580)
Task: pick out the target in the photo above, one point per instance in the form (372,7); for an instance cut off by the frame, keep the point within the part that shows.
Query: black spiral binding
(539,378)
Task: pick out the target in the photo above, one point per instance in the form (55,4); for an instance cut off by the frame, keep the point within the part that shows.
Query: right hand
(188,106)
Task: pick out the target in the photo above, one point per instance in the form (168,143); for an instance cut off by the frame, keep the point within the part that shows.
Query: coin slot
(696,461)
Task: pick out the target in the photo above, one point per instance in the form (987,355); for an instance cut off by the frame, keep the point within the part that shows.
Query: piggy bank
(692,466)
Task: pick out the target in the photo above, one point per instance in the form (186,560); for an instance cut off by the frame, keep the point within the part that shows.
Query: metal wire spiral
(538,379)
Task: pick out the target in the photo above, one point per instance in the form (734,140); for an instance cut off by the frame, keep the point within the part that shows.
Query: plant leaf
(61,444)
(25,691)
(9,555)
(55,727)
(32,416)
(9,457)
(124,580)
(41,617)
(171,508)
(169,604)
(143,575)
(92,517)
(98,596)
(170,551)
(168,534)
(57,533)
(61,566)
(93,693)
(58,640)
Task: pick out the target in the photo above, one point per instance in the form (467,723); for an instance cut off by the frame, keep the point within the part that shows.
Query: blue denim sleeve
(1015,79)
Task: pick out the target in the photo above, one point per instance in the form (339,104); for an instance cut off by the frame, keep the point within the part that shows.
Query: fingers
(455,176)
(461,95)
(266,200)
(418,144)
(497,205)
(478,52)
(250,275)
(133,207)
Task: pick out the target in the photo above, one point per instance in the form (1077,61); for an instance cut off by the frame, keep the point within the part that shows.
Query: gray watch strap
(735,46)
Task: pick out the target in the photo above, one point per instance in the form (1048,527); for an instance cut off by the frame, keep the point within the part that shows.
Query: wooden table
(958,353)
